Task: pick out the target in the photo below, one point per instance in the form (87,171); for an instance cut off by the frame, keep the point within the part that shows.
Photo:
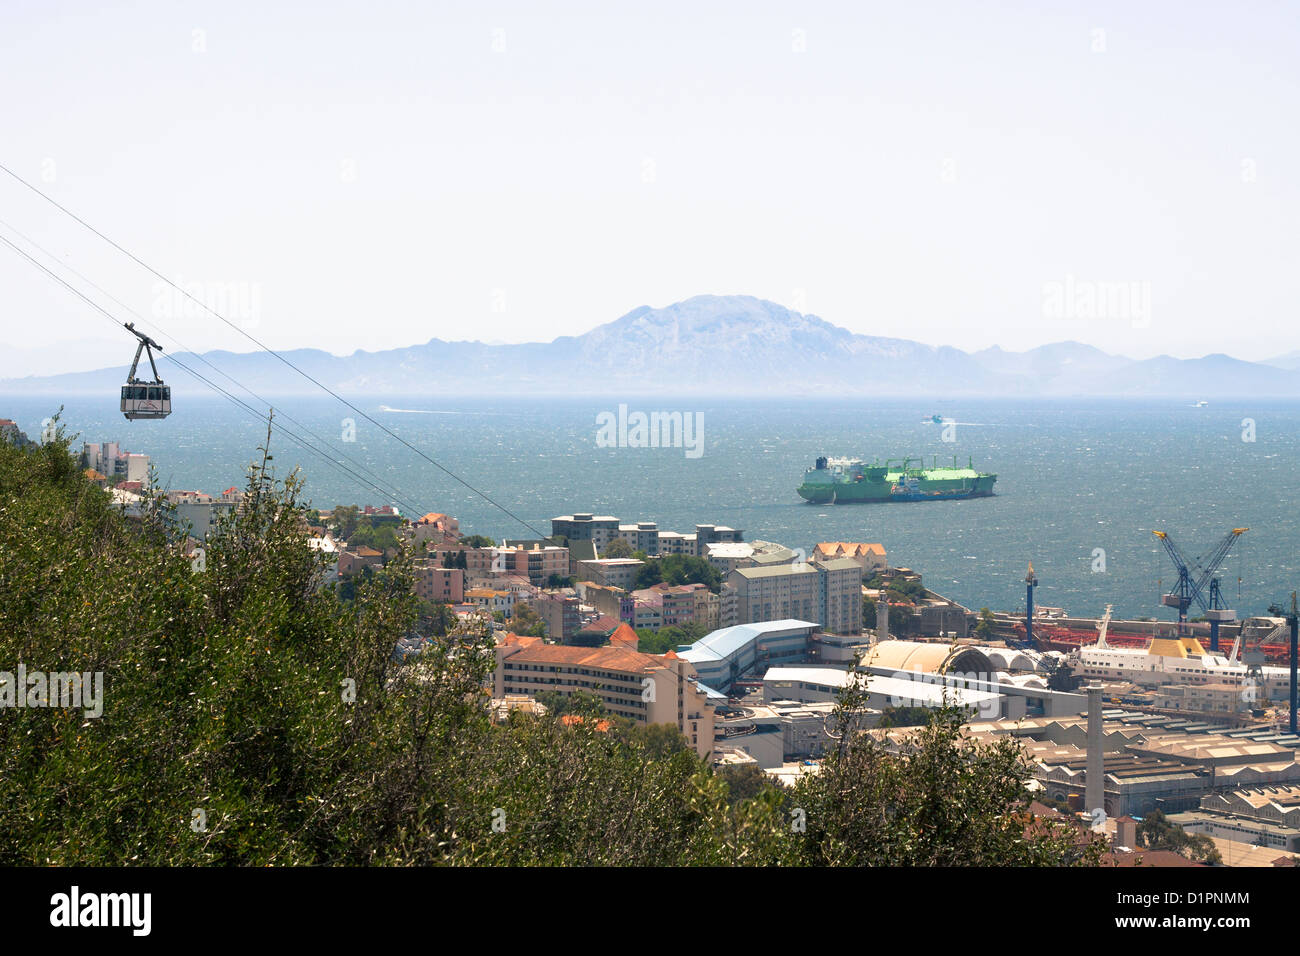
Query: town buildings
(869,557)
(644,688)
(114,464)
(436,583)
(829,592)
(643,536)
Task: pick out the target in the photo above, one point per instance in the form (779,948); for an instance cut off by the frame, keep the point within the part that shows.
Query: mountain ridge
(722,345)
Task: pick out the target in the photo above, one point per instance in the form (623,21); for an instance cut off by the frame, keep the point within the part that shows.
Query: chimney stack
(1094,795)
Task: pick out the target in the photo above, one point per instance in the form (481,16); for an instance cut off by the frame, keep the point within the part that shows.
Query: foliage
(678,569)
(668,638)
(984,629)
(527,622)
(618,548)
(436,618)
(1156,833)
(345,520)
(746,782)
(254,718)
(900,618)
(905,716)
(935,797)
(367,535)
(904,591)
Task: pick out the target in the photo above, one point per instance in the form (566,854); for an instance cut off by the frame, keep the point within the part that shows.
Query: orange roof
(365,552)
(93,475)
(520,640)
(570,720)
(849,549)
(609,658)
(624,634)
(431,517)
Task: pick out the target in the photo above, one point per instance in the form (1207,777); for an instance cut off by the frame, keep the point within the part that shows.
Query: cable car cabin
(146,401)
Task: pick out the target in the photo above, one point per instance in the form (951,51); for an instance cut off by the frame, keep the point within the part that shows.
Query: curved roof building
(928,658)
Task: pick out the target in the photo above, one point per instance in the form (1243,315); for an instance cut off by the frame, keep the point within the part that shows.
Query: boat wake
(430,411)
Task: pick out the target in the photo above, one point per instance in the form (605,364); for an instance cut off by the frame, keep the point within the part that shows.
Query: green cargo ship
(850,481)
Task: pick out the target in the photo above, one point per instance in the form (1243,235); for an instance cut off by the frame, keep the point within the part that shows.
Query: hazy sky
(370,175)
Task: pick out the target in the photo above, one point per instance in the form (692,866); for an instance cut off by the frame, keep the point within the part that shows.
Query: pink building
(436,583)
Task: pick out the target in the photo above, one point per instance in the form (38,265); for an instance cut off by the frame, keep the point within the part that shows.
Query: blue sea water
(1073,477)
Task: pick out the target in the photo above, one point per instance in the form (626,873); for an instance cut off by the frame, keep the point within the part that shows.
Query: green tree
(527,622)
(253,718)
(935,797)
(745,782)
(618,548)
(900,617)
(678,569)
(668,638)
(346,518)
(1157,832)
(984,629)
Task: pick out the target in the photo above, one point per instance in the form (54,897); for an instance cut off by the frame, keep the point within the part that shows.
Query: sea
(1081,483)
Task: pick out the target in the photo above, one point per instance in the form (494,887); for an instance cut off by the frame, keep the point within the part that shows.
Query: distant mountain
(1290,361)
(715,345)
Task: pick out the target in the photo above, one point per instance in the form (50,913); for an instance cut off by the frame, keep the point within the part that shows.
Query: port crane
(1197,583)
(1031,582)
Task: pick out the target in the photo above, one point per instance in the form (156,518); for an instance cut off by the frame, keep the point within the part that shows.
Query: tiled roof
(520,640)
(607,658)
(624,634)
(849,548)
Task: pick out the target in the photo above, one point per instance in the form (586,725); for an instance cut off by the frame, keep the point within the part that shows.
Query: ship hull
(857,484)
(839,495)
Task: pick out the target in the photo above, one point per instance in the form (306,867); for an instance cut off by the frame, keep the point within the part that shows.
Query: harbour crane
(1197,583)
(1031,582)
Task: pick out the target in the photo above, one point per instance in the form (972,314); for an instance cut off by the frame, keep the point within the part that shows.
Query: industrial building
(811,685)
(1262,816)
(747,650)
(774,733)
(1149,762)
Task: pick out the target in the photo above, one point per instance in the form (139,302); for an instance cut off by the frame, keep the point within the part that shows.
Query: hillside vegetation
(252,718)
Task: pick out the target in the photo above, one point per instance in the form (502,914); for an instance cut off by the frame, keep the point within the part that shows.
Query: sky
(372,175)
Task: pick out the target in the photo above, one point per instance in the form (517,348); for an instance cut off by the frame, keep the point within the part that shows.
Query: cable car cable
(144,265)
(212,385)
(376,484)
